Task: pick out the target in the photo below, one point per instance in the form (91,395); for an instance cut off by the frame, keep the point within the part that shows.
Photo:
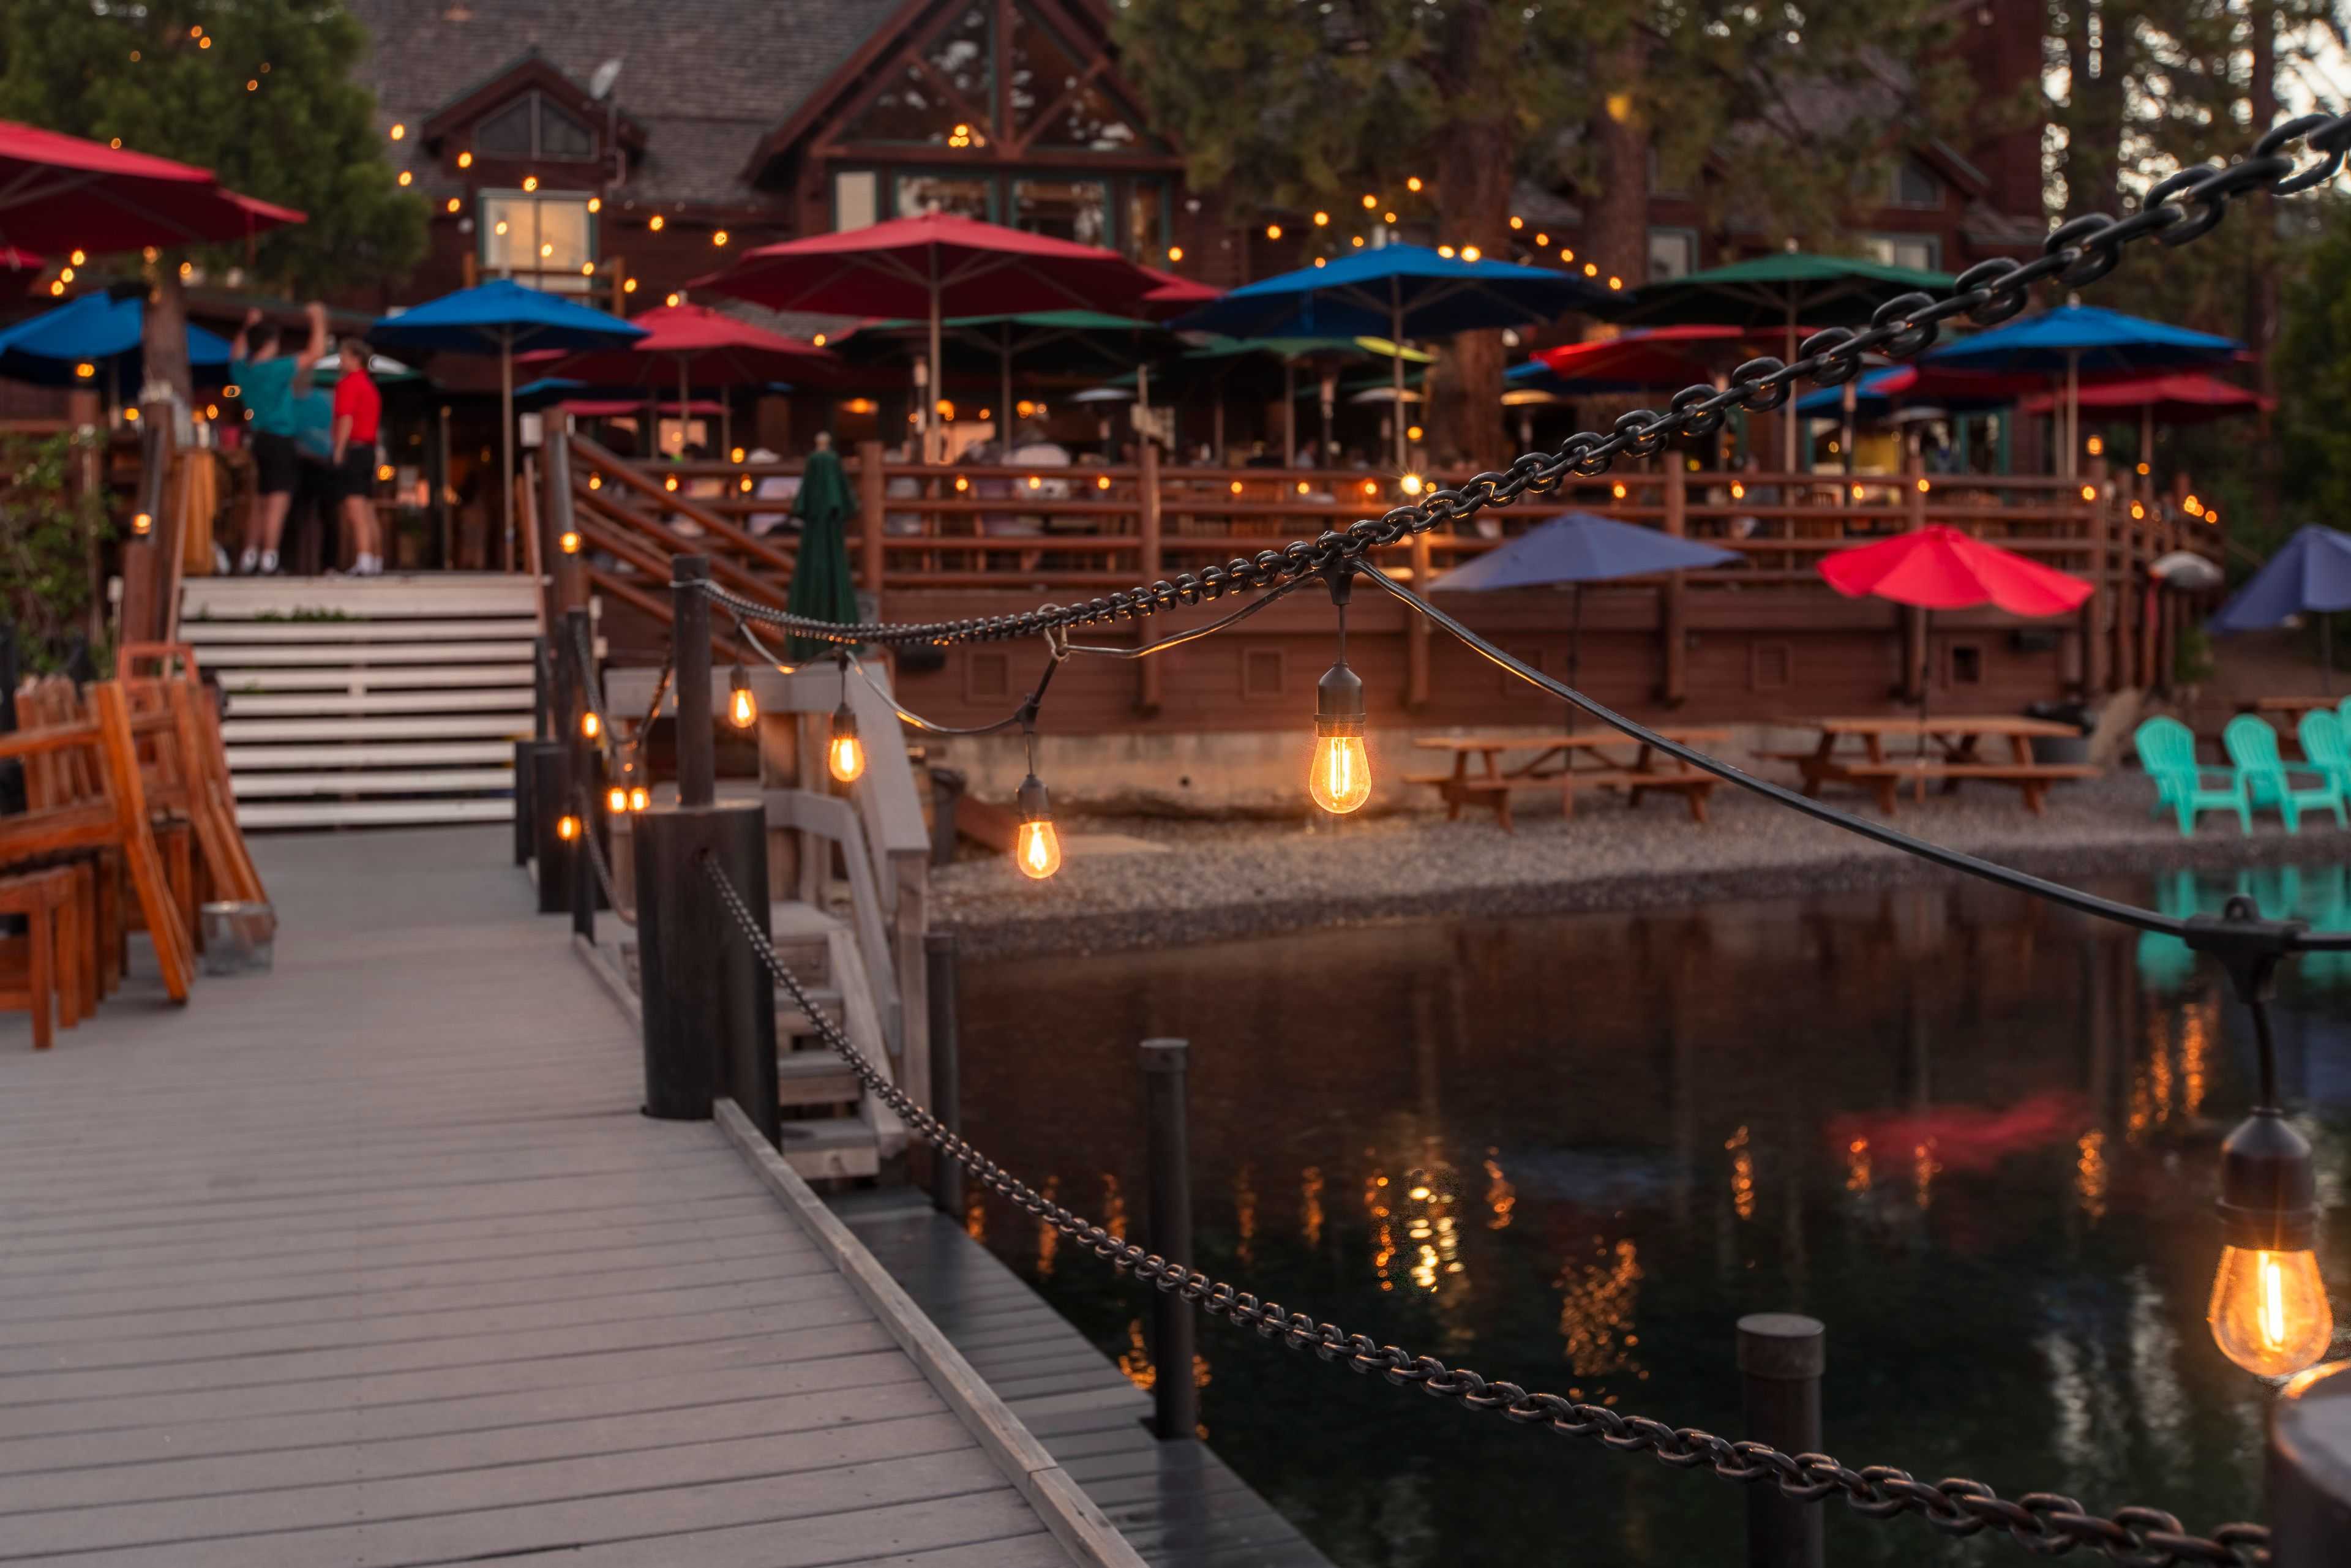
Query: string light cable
(2045,1521)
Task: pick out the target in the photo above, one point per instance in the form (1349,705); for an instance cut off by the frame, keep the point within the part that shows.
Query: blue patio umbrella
(91,341)
(1877,394)
(1573,551)
(2309,576)
(2074,339)
(1396,292)
(501,317)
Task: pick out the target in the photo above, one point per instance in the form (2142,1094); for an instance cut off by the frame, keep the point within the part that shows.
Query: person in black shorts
(266,382)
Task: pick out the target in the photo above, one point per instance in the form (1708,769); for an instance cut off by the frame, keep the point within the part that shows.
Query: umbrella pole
(1219,419)
(2326,651)
(684,405)
(938,379)
(1788,409)
(1845,425)
(1575,654)
(1004,389)
(1289,414)
(1396,363)
(2072,413)
(1925,686)
(2147,444)
(506,432)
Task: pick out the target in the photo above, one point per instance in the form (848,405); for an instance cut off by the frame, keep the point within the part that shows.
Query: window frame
(535,277)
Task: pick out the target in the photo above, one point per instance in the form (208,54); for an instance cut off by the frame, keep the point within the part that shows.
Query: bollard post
(2310,1470)
(707,1003)
(1780,1358)
(587,790)
(946,1087)
(550,779)
(697,755)
(525,833)
(1175,1401)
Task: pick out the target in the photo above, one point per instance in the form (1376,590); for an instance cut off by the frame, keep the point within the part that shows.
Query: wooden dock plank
(371,1262)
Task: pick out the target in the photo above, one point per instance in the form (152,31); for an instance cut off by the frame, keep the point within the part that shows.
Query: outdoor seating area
(126,827)
(2256,777)
(1568,765)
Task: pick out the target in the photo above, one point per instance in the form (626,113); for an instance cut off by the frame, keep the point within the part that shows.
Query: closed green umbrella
(822,588)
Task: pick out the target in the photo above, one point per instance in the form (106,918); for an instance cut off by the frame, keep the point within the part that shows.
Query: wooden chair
(40,972)
(112,816)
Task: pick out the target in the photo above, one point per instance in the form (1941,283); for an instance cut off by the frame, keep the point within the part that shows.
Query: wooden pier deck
(1178,1503)
(372,1260)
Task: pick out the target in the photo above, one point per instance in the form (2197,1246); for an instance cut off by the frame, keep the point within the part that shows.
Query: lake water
(1976,1137)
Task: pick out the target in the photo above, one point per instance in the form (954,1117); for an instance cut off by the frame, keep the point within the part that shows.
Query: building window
(963,196)
(1915,185)
(1057,101)
(543,240)
(1066,209)
(1673,253)
(1919,253)
(534,127)
(1146,222)
(856,199)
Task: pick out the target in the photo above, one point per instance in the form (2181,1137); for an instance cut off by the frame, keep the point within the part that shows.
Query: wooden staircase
(369,701)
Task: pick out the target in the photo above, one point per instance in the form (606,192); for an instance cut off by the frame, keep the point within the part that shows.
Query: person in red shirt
(359,408)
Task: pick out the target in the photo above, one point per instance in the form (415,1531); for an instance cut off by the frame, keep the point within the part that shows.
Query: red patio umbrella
(1654,356)
(931,268)
(2189,397)
(1172,295)
(60,192)
(701,347)
(1939,568)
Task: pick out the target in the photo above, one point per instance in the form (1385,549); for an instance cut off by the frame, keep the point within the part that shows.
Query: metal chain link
(2044,1521)
(2177,210)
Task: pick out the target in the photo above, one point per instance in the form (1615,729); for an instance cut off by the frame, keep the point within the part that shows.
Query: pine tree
(260,92)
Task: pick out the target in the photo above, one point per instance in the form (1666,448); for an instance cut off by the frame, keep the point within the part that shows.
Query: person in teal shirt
(267,380)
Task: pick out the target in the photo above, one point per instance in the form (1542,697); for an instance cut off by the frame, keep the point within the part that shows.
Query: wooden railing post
(873,490)
(1150,690)
(567,573)
(1673,599)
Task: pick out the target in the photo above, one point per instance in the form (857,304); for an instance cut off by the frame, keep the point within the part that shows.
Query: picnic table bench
(1568,763)
(1958,738)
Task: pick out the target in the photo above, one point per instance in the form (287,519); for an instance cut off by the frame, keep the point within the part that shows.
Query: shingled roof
(706,79)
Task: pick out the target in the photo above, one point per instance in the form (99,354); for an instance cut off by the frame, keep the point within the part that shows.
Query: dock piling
(946,1087)
(1168,1215)
(1780,1358)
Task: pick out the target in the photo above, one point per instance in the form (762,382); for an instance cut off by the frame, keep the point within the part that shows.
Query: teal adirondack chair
(2166,749)
(2323,744)
(2252,745)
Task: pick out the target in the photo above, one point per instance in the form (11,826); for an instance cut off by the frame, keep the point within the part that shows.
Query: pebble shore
(1225,881)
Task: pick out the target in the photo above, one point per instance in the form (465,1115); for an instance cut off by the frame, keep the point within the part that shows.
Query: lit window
(546,240)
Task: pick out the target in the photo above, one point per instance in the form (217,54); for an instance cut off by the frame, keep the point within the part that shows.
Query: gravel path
(1227,880)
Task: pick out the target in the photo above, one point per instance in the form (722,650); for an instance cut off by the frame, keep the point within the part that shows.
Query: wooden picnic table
(1958,738)
(1568,762)
(2293,708)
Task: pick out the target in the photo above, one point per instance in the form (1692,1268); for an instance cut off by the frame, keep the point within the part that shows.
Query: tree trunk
(2097,73)
(1476,166)
(164,335)
(1617,225)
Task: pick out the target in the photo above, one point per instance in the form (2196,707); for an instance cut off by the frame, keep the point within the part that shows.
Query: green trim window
(545,239)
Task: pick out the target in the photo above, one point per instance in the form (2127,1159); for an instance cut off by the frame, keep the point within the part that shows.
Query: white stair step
(485,726)
(407,781)
(219,599)
(346,656)
(373,813)
(243,759)
(357,676)
(247,705)
(841,1147)
(211,633)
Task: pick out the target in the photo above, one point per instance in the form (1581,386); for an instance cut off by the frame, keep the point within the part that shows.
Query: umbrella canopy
(1580,548)
(1172,295)
(1940,568)
(94,340)
(1053,342)
(2186,571)
(1399,292)
(500,318)
(60,192)
(1776,292)
(1652,357)
(2311,575)
(2188,397)
(1878,393)
(693,345)
(821,587)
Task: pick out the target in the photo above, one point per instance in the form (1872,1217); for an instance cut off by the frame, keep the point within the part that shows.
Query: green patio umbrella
(1778,290)
(821,588)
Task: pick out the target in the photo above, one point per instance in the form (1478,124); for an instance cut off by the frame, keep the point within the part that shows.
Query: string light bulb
(592,725)
(2095,446)
(1273,231)
(143,523)
(653,224)
(530,181)
(1339,779)
(566,827)
(742,708)
(2269,1311)
(568,542)
(465,159)
(844,754)
(640,798)
(616,800)
(595,204)
(1037,845)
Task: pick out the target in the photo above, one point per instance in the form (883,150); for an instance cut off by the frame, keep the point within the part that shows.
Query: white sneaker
(249,562)
(268,567)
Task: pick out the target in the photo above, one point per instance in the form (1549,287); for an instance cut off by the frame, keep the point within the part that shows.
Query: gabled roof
(532,69)
(707,77)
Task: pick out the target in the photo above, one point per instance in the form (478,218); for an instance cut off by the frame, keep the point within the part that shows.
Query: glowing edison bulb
(566,827)
(568,542)
(1037,849)
(844,754)
(2269,1311)
(592,725)
(616,800)
(640,799)
(742,708)
(1340,777)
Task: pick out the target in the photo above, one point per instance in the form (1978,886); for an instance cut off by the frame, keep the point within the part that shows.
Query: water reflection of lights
(1135,1361)
(2090,1174)
(1114,1206)
(1742,1174)
(2198,1024)
(1245,1214)
(1597,1304)
(1049,1240)
(1501,1198)
(1375,1206)
(1923,1171)
(1310,1205)
(974,1216)
(1857,1177)
(2152,1086)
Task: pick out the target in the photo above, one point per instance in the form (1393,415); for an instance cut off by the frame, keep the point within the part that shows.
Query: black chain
(591,696)
(2044,1521)
(604,870)
(2176,211)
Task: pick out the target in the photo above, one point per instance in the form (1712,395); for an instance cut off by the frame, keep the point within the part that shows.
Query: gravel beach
(1204,882)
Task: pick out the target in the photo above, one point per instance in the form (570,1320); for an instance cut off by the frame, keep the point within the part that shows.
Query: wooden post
(1673,599)
(1175,1399)
(1415,630)
(2096,664)
(1151,687)
(568,574)
(947,1084)
(1781,1359)
(872,489)
(1913,619)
